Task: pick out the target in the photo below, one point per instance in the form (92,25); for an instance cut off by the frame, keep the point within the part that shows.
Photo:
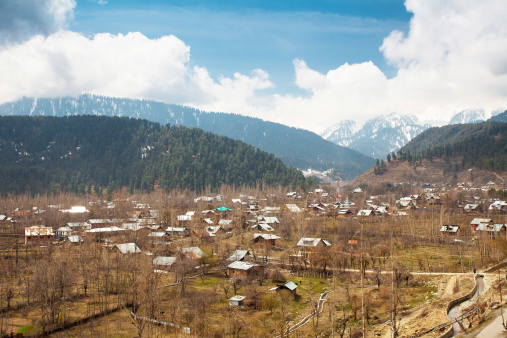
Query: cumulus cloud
(68,63)
(132,65)
(21,19)
(454,57)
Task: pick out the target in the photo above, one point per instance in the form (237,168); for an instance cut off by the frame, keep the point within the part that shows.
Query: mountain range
(387,133)
(379,136)
(298,148)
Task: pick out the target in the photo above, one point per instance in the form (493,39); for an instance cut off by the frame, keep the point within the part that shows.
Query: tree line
(84,154)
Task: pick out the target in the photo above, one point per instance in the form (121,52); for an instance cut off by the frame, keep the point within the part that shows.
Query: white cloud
(68,63)
(453,57)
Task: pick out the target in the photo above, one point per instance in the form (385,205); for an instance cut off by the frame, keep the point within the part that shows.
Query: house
(177,231)
(193,252)
(433,199)
(64,231)
(293,208)
(308,245)
(309,242)
(317,208)
(263,227)
(39,235)
(226,224)
(126,248)
(266,240)
(242,269)
(498,206)
(473,207)
(449,230)
(381,210)
(240,255)
(365,213)
(477,221)
(494,230)
(99,233)
(214,231)
(159,235)
(164,262)
(98,223)
(271,210)
(75,239)
(268,220)
(75,210)
(79,225)
(237,300)
(186,218)
(288,285)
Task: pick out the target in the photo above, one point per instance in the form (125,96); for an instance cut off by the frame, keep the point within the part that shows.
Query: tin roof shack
(237,301)
(243,270)
(126,248)
(478,221)
(100,234)
(265,240)
(164,262)
(473,207)
(494,230)
(240,255)
(288,285)
(39,235)
(449,230)
(177,231)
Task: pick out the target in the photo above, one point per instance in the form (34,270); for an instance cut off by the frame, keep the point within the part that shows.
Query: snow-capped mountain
(379,136)
(470,116)
(340,133)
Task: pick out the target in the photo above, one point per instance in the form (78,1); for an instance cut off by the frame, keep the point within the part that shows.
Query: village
(249,263)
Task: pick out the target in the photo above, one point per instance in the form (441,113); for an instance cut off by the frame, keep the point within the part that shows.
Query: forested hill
(295,147)
(80,152)
(482,145)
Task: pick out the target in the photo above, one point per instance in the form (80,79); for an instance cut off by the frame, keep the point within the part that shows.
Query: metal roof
(164,260)
(241,265)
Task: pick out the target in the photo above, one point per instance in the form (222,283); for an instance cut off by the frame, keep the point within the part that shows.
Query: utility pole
(393,304)
(362,283)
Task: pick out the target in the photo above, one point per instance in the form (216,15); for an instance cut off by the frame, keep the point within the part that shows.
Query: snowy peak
(340,133)
(392,120)
(379,136)
(470,116)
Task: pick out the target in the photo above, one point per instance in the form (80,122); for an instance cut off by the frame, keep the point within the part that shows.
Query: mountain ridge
(295,147)
(378,136)
(44,152)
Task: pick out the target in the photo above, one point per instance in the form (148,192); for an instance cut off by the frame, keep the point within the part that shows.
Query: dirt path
(403,321)
(498,176)
(318,310)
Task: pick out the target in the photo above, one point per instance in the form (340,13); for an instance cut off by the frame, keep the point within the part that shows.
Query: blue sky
(308,64)
(239,36)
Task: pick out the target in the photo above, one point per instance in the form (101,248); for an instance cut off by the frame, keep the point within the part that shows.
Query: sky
(307,64)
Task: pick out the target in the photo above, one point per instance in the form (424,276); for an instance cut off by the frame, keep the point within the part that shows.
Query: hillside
(502,117)
(461,152)
(437,172)
(482,145)
(295,147)
(74,153)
